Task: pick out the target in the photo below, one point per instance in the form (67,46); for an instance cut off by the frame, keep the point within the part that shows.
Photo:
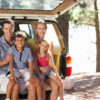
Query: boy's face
(19,42)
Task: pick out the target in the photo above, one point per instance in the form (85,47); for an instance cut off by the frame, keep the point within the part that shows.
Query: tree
(83,13)
(97,35)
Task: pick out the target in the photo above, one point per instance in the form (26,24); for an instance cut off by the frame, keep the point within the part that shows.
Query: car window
(51,36)
(27,28)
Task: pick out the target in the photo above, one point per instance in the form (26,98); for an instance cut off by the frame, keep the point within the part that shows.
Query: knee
(37,82)
(55,88)
(31,88)
(61,83)
(16,86)
(11,82)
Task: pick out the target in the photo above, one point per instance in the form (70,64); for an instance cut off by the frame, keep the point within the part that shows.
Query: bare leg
(31,92)
(60,84)
(10,89)
(38,87)
(15,92)
(54,89)
(43,90)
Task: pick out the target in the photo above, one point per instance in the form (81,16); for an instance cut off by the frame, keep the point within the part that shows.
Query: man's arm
(5,61)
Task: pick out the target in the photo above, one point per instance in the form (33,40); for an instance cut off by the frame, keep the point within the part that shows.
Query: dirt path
(87,87)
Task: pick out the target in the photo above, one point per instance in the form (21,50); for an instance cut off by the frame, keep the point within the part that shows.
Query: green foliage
(83,13)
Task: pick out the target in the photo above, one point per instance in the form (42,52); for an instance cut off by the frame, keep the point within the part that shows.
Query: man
(6,41)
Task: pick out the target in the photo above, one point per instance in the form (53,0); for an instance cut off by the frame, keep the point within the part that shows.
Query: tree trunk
(64,24)
(97,36)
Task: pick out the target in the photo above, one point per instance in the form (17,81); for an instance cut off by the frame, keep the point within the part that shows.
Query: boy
(20,59)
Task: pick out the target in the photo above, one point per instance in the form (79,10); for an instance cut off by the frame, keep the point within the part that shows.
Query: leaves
(83,13)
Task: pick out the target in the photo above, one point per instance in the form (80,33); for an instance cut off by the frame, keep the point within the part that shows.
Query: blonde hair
(40,22)
(38,51)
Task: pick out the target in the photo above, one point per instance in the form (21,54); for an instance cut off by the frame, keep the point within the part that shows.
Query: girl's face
(41,30)
(19,42)
(44,46)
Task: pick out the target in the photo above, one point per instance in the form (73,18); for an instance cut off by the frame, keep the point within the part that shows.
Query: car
(25,14)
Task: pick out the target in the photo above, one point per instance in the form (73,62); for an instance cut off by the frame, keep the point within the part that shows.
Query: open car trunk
(26,13)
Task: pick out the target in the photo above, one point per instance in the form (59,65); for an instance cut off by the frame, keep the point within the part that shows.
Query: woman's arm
(37,67)
(31,67)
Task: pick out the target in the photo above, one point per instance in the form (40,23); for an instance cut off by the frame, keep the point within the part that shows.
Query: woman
(41,28)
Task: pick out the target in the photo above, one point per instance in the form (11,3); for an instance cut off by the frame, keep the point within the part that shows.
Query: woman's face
(41,30)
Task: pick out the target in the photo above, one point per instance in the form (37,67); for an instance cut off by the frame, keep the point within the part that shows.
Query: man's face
(8,30)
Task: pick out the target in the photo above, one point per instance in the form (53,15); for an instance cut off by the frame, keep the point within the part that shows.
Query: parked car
(26,14)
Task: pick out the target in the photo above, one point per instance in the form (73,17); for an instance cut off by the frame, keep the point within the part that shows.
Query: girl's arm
(52,65)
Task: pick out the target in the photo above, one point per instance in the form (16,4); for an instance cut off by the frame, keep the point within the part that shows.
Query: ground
(87,87)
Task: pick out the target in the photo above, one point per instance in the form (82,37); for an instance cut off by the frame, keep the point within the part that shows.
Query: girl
(46,64)
(20,60)
(41,28)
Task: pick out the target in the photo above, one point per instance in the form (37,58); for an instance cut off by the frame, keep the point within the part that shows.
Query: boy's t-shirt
(22,58)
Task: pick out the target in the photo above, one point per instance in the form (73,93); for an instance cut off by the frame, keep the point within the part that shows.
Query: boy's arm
(11,64)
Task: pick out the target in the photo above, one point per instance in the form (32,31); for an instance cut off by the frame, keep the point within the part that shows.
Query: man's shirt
(3,51)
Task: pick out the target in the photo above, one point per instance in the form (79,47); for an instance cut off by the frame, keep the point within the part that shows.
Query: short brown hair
(8,21)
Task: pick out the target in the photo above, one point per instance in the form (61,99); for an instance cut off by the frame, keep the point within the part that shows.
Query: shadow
(86,86)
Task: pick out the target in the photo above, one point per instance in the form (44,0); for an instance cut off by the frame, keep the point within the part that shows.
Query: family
(30,61)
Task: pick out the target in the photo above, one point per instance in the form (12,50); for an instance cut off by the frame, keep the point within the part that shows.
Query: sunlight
(82,48)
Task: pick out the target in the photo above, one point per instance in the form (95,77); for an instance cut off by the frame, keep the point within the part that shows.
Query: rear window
(30,4)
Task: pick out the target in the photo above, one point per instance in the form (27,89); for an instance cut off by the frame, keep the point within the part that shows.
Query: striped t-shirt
(22,58)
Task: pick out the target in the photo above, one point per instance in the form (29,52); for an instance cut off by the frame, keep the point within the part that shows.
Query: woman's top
(33,44)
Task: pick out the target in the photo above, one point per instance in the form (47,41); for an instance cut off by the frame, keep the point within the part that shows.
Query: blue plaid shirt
(3,51)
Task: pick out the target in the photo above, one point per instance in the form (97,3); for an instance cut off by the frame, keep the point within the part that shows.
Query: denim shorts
(47,75)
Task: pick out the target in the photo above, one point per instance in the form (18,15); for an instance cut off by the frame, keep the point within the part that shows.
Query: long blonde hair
(38,51)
